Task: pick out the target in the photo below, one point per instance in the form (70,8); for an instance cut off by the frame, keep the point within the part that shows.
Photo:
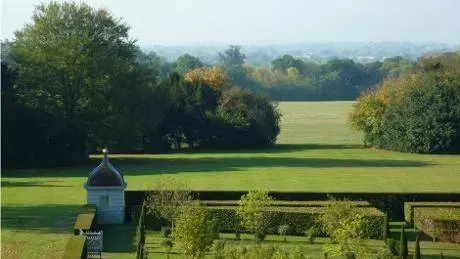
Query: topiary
(403,244)
(391,246)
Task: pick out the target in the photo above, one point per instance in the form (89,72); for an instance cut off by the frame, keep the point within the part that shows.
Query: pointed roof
(105,174)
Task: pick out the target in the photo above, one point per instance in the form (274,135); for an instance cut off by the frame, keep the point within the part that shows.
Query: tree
(167,199)
(253,212)
(417,247)
(186,63)
(231,57)
(345,226)
(403,252)
(79,64)
(193,233)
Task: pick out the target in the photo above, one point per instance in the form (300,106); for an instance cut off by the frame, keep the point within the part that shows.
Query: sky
(265,22)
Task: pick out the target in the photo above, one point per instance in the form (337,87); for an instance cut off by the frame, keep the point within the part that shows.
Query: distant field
(317,152)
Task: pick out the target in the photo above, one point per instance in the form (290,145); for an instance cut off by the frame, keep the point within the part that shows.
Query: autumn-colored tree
(214,77)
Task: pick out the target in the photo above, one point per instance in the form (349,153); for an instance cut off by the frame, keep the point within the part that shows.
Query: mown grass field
(316,152)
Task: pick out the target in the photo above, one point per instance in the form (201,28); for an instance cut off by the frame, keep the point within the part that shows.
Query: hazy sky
(177,22)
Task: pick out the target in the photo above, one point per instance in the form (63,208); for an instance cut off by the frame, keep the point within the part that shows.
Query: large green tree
(79,64)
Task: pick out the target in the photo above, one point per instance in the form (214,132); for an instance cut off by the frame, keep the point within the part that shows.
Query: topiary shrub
(167,246)
(392,246)
(403,252)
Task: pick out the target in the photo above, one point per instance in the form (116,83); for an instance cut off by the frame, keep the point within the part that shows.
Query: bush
(311,234)
(392,246)
(243,119)
(75,248)
(436,130)
(219,247)
(165,232)
(253,213)
(193,232)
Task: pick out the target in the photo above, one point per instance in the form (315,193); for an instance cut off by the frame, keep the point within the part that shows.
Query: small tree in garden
(403,252)
(283,231)
(253,213)
(166,200)
(345,225)
(193,233)
(417,248)
(311,234)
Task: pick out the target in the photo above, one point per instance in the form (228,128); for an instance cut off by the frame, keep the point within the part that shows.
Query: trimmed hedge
(277,203)
(442,224)
(391,203)
(409,208)
(76,248)
(86,219)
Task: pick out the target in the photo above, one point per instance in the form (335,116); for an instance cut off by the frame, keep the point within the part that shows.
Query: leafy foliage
(167,199)
(193,232)
(253,214)
(391,116)
(345,226)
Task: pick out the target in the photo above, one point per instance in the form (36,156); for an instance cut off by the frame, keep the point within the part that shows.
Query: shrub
(391,245)
(193,232)
(403,252)
(165,232)
(410,206)
(253,213)
(219,247)
(417,248)
(345,225)
(166,200)
(283,230)
(75,248)
(311,234)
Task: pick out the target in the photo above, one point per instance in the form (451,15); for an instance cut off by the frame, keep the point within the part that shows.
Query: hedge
(300,219)
(278,203)
(86,219)
(442,224)
(409,208)
(76,248)
(392,203)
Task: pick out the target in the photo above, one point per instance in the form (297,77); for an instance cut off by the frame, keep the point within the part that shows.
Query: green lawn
(317,152)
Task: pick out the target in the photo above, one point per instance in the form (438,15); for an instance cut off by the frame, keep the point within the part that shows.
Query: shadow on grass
(52,218)
(141,165)
(30,184)
(278,148)
(119,238)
